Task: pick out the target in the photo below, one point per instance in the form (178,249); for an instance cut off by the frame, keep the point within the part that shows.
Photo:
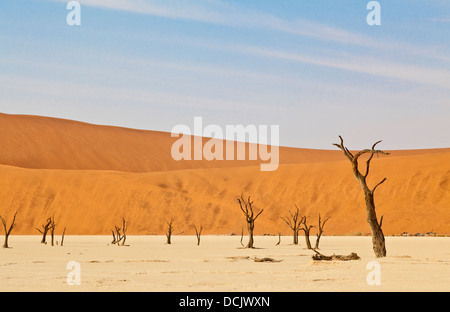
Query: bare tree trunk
(279,239)
(198,233)
(114,237)
(319,234)
(169,231)
(124,231)
(250,228)
(8,231)
(52,230)
(378,240)
(306,229)
(62,238)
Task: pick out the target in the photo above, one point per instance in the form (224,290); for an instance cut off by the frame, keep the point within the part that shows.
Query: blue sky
(315,68)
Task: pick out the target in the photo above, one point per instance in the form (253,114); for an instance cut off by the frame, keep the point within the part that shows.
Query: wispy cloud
(221,13)
(441,19)
(365,65)
(80,91)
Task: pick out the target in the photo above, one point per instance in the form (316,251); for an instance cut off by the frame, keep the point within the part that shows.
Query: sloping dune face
(50,143)
(97,175)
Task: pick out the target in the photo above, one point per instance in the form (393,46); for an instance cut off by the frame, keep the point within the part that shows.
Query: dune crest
(98,174)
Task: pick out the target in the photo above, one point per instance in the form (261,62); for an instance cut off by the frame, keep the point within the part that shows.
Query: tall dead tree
(378,240)
(8,230)
(320,230)
(45,228)
(307,229)
(294,222)
(198,233)
(247,209)
(169,231)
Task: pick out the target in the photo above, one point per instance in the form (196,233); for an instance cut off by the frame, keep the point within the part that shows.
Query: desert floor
(220,264)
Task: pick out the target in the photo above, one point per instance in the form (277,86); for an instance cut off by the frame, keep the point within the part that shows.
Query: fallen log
(319,257)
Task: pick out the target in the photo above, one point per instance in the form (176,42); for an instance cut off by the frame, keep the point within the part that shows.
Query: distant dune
(90,176)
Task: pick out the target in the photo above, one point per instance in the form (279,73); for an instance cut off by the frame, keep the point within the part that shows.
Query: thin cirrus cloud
(220,13)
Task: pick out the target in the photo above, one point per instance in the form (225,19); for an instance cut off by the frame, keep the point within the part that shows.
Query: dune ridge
(129,173)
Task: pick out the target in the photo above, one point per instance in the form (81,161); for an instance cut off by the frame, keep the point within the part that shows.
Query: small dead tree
(320,229)
(378,240)
(198,233)
(306,229)
(62,238)
(8,230)
(124,231)
(45,228)
(52,229)
(169,231)
(120,234)
(294,222)
(279,239)
(247,209)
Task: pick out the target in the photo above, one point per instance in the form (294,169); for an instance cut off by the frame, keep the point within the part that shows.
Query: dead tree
(117,236)
(198,233)
(169,231)
(62,238)
(320,229)
(378,240)
(294,222)
(242,237)
(8,230)
(124,231)
(52,229)
(307,229)
(44,231)
(120,234)
(247,209)
(279,239)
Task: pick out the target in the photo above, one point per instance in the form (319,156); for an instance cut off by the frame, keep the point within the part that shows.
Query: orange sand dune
(51,143)
(415,198)
(90,176)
